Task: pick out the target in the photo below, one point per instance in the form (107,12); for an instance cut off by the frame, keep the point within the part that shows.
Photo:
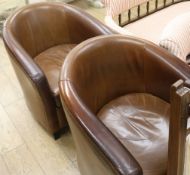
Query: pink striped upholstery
(176,36)
(115,7)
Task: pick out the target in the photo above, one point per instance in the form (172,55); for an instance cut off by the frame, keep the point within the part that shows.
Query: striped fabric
(115,7)
(176,36)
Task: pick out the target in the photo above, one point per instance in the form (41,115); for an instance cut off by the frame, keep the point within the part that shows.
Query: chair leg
(58,134)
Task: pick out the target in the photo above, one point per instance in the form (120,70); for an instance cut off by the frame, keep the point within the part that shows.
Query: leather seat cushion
(50,61)
(141,122)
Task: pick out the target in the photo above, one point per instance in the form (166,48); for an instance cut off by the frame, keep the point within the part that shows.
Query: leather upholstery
(50,61)
(140,121)
(37,38)
(101,70)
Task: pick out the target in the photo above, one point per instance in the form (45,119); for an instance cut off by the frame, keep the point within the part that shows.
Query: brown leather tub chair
(37,38)
(116,94)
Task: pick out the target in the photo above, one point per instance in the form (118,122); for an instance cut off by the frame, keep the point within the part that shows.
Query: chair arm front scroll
(96,141)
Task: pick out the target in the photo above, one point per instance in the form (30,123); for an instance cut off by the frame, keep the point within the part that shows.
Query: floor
(25,148)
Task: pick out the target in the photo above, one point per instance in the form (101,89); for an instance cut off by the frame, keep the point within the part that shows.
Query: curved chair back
(33,30)
(107,68)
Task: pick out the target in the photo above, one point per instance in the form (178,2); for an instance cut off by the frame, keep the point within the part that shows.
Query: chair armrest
(83,26)
(26,63)
(180,100)
(100,139)
(21,56)
(33,80)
